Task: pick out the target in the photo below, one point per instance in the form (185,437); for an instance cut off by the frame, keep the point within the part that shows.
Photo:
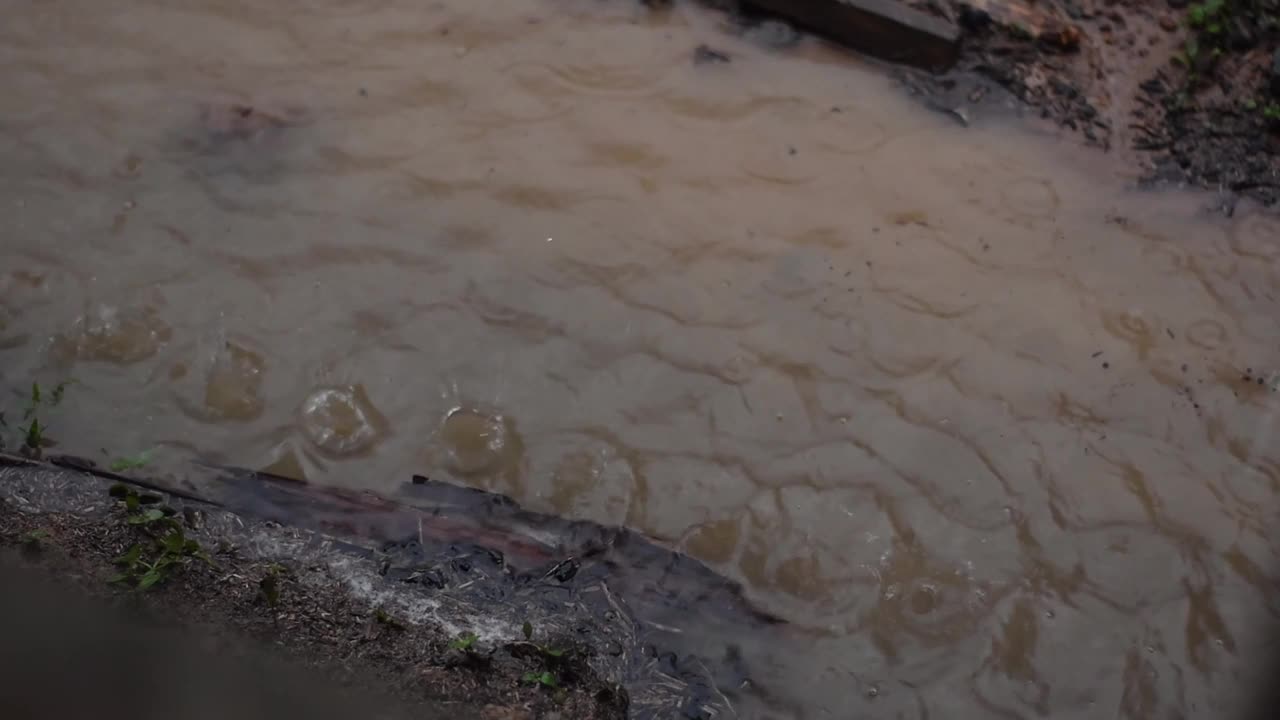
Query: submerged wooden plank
(886,29)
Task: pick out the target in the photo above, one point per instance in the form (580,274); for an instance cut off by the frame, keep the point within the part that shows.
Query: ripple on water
(621,80)
(1207,333)
(9,341)
(233,389)
(114,335)
(1256,235)
(341,421)
(1031,198)
(774,161)
(476,444)
(926,603)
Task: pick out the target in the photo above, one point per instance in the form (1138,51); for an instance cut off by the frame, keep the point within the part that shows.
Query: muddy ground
(239,595)
(1186,93)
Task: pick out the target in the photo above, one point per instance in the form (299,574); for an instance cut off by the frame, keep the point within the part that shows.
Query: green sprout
(167,550)
(131,462)
(465,642)
(545,678)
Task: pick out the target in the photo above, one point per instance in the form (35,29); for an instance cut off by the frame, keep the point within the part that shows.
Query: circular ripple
(938,610)
(776,162)
(1256,235)
(478,443)
(1030,198)
(624,80)
(341,421)
(233,388)
(1207,334)
(109,334)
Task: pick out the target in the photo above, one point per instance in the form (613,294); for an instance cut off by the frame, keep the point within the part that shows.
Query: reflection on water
(992,432)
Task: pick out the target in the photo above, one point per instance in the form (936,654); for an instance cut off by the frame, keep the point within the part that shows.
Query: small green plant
(385,618)
(60,389)
(34,539)
(466,642)
(132,462)
(33,438)
(547,651)
(143,567)
(1207,15)
(269,585)
(546,679)
(1272,111)
(35,433)
(167,549)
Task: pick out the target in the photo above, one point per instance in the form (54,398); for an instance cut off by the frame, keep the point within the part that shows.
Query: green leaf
(35,394)
(119,490)
(35,434)
(552,652)
(173,543)
(385,618)
(464,642)
(61,388)
(527,629)
(144,518)
(132,462)
(116,579)
(545,679)
(131,502)
(152,576)
(131,556)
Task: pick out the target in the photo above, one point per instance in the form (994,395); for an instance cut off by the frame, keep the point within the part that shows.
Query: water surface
(990,429)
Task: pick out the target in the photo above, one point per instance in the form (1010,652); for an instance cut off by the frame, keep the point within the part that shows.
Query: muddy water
(992,431)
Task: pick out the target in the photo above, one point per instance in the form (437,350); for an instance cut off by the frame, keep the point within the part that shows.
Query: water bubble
(234,384)
(924,599)
(341,421)
(477,443)
(109,334)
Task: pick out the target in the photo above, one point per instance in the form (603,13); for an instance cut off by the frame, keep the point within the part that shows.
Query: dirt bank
(1187,93)
(248,584)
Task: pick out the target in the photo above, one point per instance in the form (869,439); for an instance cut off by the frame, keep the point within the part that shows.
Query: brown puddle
(990,429)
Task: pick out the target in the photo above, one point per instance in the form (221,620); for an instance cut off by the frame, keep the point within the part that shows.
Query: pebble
(1168,23)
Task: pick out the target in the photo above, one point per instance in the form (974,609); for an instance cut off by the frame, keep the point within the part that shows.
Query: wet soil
(1189,100)
(1187,93)
(304,611)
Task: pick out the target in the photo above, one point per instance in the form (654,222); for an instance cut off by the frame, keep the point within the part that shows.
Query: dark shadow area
(65,656)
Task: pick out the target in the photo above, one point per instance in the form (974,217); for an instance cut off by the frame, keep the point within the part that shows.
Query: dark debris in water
(707,55)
